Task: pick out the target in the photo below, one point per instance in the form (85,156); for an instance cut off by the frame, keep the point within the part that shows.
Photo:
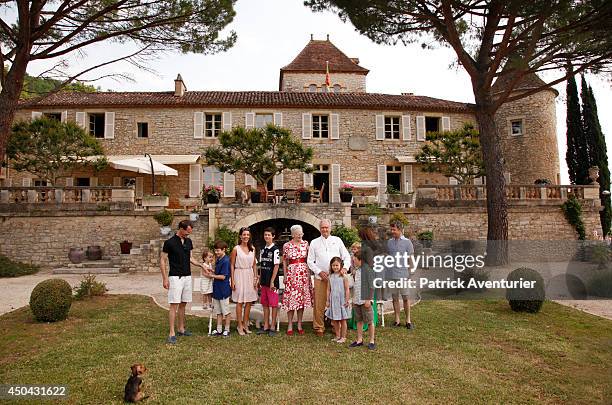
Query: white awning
(363,184)
(164,159)
(143,165)
(405,159)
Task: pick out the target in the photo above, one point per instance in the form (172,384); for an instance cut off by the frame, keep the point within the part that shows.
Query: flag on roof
(327,78)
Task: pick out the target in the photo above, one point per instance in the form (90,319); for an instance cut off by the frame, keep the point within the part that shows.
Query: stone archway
(279,213)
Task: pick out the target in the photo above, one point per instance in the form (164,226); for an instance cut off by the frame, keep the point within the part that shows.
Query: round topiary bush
(526,299)
(50,300)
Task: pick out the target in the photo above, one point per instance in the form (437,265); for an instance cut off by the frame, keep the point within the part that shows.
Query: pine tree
(597,151)
(576,155)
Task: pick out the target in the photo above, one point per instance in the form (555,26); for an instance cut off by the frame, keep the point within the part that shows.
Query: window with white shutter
(407,179)
(81,119)
(249,180)
(335,126)
(139,189)
(198,125)
(212,176)
(309,178)
(306,126)
(278,181)
(453,181)
(229,185)
(380,127)
(69,181)
(109,125)
(278,119)
(420,123)
(335,183)
(406,127)
(446,124)
(26,182)
(249,120)
(382,180)
(64,116)
(36,115)
(93,181)
(227,121)
(195,180)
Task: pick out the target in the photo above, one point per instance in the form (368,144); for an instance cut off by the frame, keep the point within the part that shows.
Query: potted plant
(125,247)
(542,182)
(194,215)
(212,194)
(164,218)
(305,193)
(373,211)
(346,192)
(155,200)
(426,238)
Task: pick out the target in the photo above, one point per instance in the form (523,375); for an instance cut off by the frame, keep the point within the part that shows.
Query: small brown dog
(133,391)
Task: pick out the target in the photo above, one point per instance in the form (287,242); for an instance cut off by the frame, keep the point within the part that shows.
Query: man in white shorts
(177,252)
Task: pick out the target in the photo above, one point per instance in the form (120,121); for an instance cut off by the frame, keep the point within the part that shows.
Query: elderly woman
(297,294)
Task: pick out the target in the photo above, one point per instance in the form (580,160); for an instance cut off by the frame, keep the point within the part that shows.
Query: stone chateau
(366,138)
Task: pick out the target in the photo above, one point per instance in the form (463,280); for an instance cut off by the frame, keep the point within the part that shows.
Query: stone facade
(534,154)
(348,82)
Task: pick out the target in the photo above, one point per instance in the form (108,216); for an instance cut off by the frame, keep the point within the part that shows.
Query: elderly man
(322,250)
(398,244)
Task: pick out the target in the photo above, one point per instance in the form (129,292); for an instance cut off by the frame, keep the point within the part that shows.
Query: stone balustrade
(531,194)
(65,197)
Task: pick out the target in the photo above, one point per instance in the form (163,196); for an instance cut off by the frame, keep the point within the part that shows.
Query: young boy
(362,301)
(221,289)
(269,261)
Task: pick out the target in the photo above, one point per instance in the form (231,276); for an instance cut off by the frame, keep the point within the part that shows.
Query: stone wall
(534,154)
(349,82)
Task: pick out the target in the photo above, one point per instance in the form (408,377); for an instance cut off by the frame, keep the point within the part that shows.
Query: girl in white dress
(206,281)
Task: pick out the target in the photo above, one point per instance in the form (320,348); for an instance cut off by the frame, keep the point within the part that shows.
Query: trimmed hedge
(526,299)
(9,268)
(50,300)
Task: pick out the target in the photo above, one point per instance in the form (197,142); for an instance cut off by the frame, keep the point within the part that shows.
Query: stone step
(136,251)
(97,270)
(92,264)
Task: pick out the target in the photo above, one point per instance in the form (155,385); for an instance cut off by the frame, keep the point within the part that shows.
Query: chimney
(179,86)
(407,94)
(327,37)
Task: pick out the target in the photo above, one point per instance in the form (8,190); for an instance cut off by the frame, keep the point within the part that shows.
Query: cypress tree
(576,143)
(597,151)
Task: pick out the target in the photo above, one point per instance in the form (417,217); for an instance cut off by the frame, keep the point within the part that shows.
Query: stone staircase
(142,258)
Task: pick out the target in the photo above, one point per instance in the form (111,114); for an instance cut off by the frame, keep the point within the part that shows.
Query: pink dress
(243,277)
(298,290)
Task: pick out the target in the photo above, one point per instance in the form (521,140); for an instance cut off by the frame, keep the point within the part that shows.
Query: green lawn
(461,352)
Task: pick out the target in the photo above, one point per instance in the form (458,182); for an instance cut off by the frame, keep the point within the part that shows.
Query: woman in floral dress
(298,289)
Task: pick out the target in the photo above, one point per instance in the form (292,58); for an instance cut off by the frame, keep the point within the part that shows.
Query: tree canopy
(50,149)
(260,152)
(455,154)
(61,31)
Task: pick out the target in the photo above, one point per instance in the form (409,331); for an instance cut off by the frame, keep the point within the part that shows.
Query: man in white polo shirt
(320,253)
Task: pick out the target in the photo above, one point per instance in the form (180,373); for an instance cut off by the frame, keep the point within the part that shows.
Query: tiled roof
(314,55)
(253,99)
(529,81)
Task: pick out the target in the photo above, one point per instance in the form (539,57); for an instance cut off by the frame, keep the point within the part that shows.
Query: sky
(272,32)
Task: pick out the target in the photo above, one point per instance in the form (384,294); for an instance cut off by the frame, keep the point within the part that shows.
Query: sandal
(289,333)
(300,331)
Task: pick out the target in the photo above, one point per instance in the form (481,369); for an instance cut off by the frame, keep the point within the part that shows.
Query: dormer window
(324,88)
(337,88)
(312,88)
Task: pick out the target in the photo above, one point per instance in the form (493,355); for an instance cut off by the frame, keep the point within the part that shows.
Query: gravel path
(16,292)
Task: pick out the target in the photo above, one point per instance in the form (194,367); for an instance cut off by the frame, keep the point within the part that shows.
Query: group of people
(336,272)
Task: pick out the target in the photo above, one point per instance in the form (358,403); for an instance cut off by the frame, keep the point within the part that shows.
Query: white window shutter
(507,177)
(453,181)
(109,125)
(81,119)
(249,180)
(139,189)
(226,119)
(380,127)
(249,120)
(306,126)
(26,182)
(445,123)
(64,116)
(381,171)
(335,126)
(278,119)
(420,122)
(229,185)
(36,115)
(335,183)
(198,125)
(406,127)
(308,178)
(116,181)
(407,178)
(278,181)
(195,173)
(69,181)
(93,181)
(477,181)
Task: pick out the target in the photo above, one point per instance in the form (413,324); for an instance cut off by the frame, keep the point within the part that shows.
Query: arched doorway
(282,226)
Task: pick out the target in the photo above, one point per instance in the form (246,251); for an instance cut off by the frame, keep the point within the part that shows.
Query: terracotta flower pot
(76,255)
(125,247)
(94,252)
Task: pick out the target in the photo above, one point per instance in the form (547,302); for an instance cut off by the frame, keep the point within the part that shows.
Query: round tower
(528,131)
